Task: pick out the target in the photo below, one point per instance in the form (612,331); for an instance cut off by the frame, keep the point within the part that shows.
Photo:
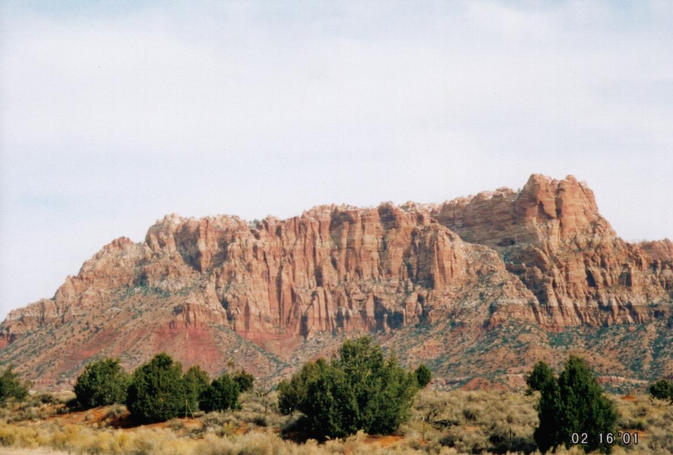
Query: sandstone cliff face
(333,269)
(658,250)
(552,237)
(221,289)
(111,268)
(660,253)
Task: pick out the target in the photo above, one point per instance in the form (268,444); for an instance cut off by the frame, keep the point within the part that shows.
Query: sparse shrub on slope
(11,386)
(423,375)
(196,381)
(222,394)
(360,389)
(157,391)
(662,389)
(572,403)
(102,382)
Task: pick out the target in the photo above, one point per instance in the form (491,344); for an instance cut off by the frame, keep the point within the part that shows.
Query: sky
(115,113)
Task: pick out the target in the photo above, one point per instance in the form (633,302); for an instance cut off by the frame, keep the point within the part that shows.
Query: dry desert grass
(454,422)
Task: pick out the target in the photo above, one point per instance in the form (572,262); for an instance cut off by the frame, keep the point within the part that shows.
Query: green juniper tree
(157,391)
(222,394)
(11,386)
(292,393)
(423,375)
(572,403)
(662,389)
(102,382)
(196,381)
(244,380)
(359,388)
(538,379)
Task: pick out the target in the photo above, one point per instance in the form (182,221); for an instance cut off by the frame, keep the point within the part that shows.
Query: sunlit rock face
(220,289)
(551,236)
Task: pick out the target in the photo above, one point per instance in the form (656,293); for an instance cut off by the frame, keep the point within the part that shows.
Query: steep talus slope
(467,286)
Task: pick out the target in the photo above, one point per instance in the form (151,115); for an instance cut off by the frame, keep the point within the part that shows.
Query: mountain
(478,287)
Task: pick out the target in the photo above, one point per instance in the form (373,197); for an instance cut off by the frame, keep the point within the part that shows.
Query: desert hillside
(479,288)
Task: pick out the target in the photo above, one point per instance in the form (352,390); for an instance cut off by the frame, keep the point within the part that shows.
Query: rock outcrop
(220,289)
(552,237)
(660,253)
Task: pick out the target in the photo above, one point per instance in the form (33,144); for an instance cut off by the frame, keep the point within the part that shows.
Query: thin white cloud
(114,114)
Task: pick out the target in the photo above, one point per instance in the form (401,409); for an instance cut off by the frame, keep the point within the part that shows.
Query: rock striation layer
(220,289)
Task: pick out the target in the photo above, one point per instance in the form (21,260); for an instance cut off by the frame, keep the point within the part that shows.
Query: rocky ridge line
(542,255)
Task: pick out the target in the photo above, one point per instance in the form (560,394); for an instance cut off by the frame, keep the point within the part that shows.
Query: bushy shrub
(662,389)
(157,391)
(360,389)
(572,403)
(11,386)
(102,382)
(423,375)
(244,380)
(196,381)
(222,394)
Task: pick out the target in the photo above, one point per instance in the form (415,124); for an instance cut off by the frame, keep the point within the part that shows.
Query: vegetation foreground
(440,422)
(329,407)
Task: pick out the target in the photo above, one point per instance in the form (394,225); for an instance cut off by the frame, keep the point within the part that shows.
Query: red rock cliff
(552,237)
(219,288)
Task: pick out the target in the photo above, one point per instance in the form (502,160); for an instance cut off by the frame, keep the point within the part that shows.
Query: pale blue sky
(113,114)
